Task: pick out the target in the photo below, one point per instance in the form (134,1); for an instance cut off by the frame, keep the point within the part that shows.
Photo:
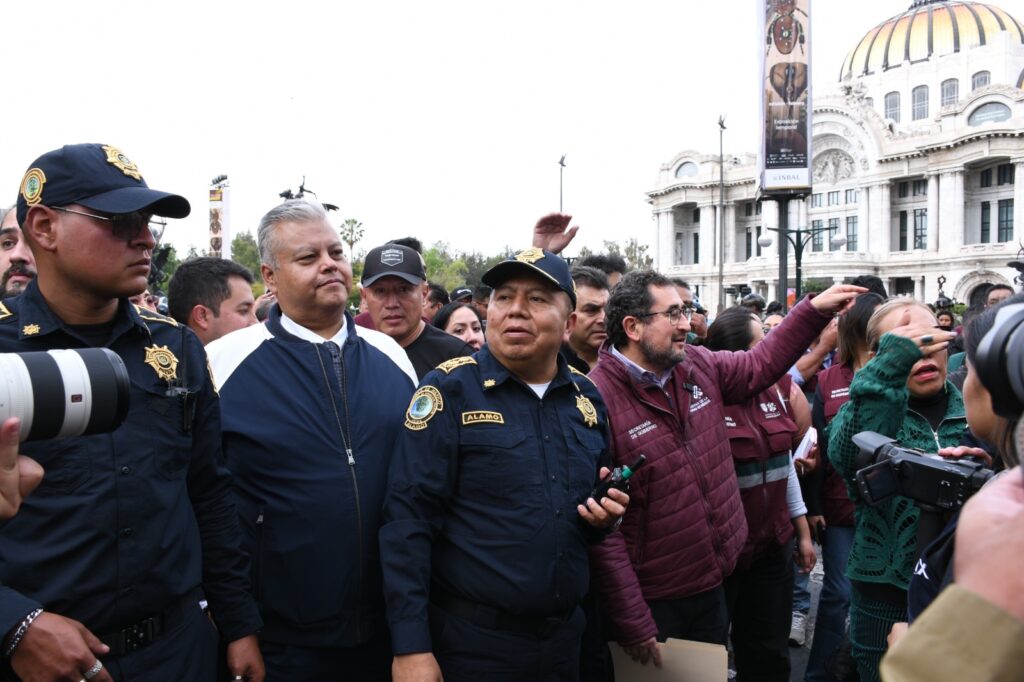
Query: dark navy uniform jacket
(482,494)
(124,524)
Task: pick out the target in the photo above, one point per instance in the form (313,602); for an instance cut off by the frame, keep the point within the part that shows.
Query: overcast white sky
(444,120)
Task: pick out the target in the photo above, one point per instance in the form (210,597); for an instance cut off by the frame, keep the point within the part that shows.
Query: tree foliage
(244,251)
(351,233)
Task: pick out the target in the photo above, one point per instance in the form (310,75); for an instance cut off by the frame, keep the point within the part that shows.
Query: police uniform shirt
(482,494)
(125,523)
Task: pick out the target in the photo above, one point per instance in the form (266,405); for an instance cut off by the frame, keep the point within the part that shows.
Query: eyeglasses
(126,226)
(673,314)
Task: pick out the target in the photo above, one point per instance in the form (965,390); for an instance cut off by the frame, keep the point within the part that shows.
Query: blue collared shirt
(482,494)
(639,373)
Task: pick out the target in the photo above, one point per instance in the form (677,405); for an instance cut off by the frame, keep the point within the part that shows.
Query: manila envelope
(681,661)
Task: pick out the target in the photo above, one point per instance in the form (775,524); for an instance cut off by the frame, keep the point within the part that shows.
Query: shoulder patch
(5,312)
(425,403)
(149,316)
(448,365)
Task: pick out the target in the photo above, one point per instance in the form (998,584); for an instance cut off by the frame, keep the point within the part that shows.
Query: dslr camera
(64,393)
(887,469)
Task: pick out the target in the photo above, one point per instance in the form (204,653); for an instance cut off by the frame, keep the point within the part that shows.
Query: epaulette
(149,316)
(448,365)
(5,313)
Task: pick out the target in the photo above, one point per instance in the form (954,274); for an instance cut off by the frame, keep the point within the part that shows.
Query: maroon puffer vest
(834,384)
(761,434)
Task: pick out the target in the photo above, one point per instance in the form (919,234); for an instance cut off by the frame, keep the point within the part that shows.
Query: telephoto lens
(64,393)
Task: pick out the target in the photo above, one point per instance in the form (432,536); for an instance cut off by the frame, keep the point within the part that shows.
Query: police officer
(484,545)
(103,568)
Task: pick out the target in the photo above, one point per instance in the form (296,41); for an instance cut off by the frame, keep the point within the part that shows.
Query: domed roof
(929,28)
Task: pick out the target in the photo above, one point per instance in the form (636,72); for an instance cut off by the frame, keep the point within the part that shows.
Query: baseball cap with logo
(393,260)
(461,294)
(548,265)
(96,176)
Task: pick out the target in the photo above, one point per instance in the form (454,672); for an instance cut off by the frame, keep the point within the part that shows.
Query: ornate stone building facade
(918,162)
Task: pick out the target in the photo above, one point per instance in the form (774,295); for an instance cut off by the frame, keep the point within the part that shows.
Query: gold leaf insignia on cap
(586,408)
(531,255)
(425,403)
(163,361)
(32,186)
(30,329)
(117,158)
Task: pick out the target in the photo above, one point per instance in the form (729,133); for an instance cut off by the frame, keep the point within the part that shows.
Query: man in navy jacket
(311,407)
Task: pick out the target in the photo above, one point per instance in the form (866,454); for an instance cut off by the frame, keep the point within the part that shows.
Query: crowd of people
(304,492)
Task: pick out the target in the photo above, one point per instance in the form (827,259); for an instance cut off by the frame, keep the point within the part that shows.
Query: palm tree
(351,232)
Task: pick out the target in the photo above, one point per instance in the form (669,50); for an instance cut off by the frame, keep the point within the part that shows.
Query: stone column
(770,218)
(666,239)
(919,288)
(864,221)
(773,286)
(951,209)
(730,233)
(707,236)
(881,220)
(1018,205)
(932,239)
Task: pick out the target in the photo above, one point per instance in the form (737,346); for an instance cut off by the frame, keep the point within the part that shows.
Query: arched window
(686,169)
(950,92)
(892,106)
(919,95)
(980,80)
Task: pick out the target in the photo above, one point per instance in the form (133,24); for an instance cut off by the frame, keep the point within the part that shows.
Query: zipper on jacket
(935,434)
(355,485)
(716,540)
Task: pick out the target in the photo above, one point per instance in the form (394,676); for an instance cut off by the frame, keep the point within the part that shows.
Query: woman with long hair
(762,434)
(830,511)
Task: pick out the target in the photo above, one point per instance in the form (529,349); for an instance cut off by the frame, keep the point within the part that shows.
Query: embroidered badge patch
(32,186)
(426,402)
(489,383)
(391,257)
(482,417)
(586,408)
(117,158)
(163,362)
(30,329)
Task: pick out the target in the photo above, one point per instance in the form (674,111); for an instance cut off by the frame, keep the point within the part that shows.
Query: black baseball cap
(96,176)
(393,260)
(462,293)
(539,261)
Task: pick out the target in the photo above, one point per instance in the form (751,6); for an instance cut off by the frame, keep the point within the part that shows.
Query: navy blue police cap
(539,261)
(98,177)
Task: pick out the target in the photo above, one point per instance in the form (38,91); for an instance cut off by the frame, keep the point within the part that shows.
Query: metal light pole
(561,167)
(721,215)
(798,238)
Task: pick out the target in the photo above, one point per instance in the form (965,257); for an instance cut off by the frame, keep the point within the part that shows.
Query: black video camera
(886,469)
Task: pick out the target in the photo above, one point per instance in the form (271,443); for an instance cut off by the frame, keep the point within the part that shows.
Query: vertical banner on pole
(220,233)
(786,95)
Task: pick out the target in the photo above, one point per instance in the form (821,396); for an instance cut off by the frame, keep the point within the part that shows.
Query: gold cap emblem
(32,186)
(162,360)
(117,158)
(587,409)
(531,255)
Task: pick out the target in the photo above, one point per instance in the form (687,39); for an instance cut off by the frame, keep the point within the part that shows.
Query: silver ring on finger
(926,339)
(93,671)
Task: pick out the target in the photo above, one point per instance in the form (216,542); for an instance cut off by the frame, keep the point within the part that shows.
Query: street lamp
(799,238)
(721,215)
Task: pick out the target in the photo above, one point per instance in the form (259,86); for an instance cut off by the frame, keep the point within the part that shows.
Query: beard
(18,269)
(662,359)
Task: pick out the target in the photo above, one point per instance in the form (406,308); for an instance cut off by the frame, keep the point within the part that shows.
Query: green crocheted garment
(885,539)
